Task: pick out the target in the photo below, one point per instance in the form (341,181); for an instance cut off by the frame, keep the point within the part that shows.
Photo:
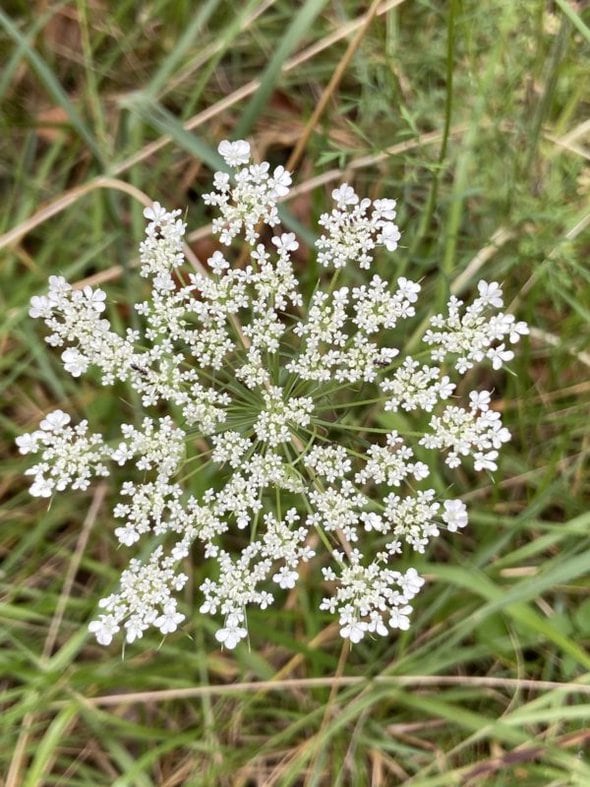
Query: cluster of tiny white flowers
(281,547)
(370,598)
(477,432)
(478,333)
(413,387)
(74,317)
(229,447)
(70,457)
(376,308)
(144,599)
(275,422)
(335,346)
(157,445)
(337,510)
(250,198)
(254,381)
(352,233)
(391,464)
(329,461)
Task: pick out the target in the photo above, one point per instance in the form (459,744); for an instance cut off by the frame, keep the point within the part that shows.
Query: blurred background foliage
(475,117)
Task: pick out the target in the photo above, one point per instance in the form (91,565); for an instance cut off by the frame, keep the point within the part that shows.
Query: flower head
(234,153)
(247,451)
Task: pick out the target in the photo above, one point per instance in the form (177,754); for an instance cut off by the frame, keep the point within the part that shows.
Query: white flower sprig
(258,385)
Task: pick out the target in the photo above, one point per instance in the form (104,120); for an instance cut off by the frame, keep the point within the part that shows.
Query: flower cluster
(477,432)
(477,334)
(370,598)
(250,198)
(69,455)
(242,379)
(352,233)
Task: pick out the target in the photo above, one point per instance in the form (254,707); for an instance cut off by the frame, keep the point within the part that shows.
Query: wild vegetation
(473,116)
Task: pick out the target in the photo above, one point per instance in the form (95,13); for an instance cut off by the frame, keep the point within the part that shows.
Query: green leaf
(51,83)
(300,25)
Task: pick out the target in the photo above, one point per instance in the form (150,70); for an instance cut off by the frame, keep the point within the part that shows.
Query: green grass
(485,111)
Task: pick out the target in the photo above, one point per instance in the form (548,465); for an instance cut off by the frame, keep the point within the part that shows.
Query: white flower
(40,306)
(499,355)
(58,288)
(280,181)
(490,293)
(480,400)
(345,195)
(399,619)
(95,298)
(74,362)
(410,583)
(285,578)
(389,236)
(104,629)
(354,631)
(376,624)
(231,633)
(485,461)
(55,421)
(408,289)
(27,443)
(372,521)
(286,242)
(517,330)
(218,263)
(234,153)
(384,209)
(169,620)
(41,487)
(127,535)
(266,430)
(454,514)
(155,212)
(134,629)
(222,182)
